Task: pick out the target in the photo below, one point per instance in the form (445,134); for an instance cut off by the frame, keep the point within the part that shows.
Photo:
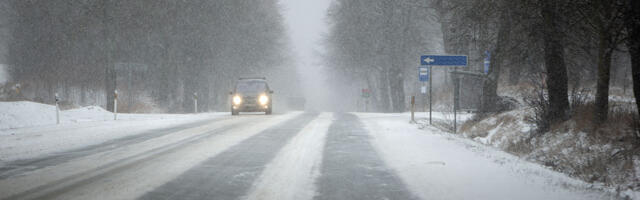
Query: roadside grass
(605,154)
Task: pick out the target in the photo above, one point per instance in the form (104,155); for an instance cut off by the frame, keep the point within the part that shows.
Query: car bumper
(251,108)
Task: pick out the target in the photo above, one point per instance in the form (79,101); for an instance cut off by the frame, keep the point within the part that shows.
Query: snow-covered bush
(539,103)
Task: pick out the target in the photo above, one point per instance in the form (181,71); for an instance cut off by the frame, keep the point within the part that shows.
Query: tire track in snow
(291,175)
(352,169)
(55,181)
(231,174)
(19,167)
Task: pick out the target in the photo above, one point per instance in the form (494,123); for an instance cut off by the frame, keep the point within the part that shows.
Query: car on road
(251,95)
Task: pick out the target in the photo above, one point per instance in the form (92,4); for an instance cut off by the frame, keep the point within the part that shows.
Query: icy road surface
(293,156)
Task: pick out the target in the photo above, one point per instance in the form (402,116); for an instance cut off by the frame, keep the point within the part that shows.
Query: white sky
(305,21)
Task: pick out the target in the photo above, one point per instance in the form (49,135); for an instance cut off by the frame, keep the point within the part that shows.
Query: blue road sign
(487,62)
(423,74)
(444,60)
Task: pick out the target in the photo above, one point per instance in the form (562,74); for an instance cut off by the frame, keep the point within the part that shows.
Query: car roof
(252,80)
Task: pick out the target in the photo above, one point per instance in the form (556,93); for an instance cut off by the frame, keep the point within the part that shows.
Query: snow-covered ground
(29,130)
(21,114)
(602,158)
(145,176)
(433,163)
(428,162)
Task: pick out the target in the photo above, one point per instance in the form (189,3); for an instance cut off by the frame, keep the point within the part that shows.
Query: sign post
(423,91)
(423,76)
(430,92)
(440,60)
(456,99)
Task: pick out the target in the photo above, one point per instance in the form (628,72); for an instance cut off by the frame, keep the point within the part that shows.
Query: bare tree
(165,49)
(554,60)
(632,23)
(605,18)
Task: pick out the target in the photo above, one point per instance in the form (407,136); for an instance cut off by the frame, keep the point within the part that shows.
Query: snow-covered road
(284,156)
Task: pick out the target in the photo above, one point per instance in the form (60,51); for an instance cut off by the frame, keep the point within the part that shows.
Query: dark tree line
(568,45)
(632,23)
(574,41)
(153,51)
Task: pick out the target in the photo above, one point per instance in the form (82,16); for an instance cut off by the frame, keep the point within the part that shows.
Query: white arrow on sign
(429,60)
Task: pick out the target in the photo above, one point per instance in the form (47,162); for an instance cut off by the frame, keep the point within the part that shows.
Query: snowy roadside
(144,176)
(602,158)
(26,114)
(33,132)
(432,164)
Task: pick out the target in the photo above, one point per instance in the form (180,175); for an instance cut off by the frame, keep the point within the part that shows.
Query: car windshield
(251,86)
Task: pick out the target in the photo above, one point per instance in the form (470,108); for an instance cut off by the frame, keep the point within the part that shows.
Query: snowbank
(433,164)
(22,114)
(29,129)
(595,157)
(25,114)
(501,130)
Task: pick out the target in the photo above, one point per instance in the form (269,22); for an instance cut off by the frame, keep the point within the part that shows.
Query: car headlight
(237,100)
(264,99)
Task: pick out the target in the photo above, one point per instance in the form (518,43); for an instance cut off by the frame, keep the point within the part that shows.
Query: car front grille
(250,100)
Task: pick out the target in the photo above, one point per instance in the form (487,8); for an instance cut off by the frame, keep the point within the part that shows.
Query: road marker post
(413,109)
(195,102)
(115,105)
(57,98)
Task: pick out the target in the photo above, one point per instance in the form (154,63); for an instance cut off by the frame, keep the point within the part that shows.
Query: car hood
(250,94)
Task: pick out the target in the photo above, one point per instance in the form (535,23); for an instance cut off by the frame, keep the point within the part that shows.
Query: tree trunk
(397,89)
(383,92)
(635,68)
(389,90)
(514,74)
(554,63)
(633,29)
(110,73)
(604,73)
(604,62)
(110,85)
(490,86)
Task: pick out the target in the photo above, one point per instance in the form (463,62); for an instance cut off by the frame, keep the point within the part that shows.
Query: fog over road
(288,156)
